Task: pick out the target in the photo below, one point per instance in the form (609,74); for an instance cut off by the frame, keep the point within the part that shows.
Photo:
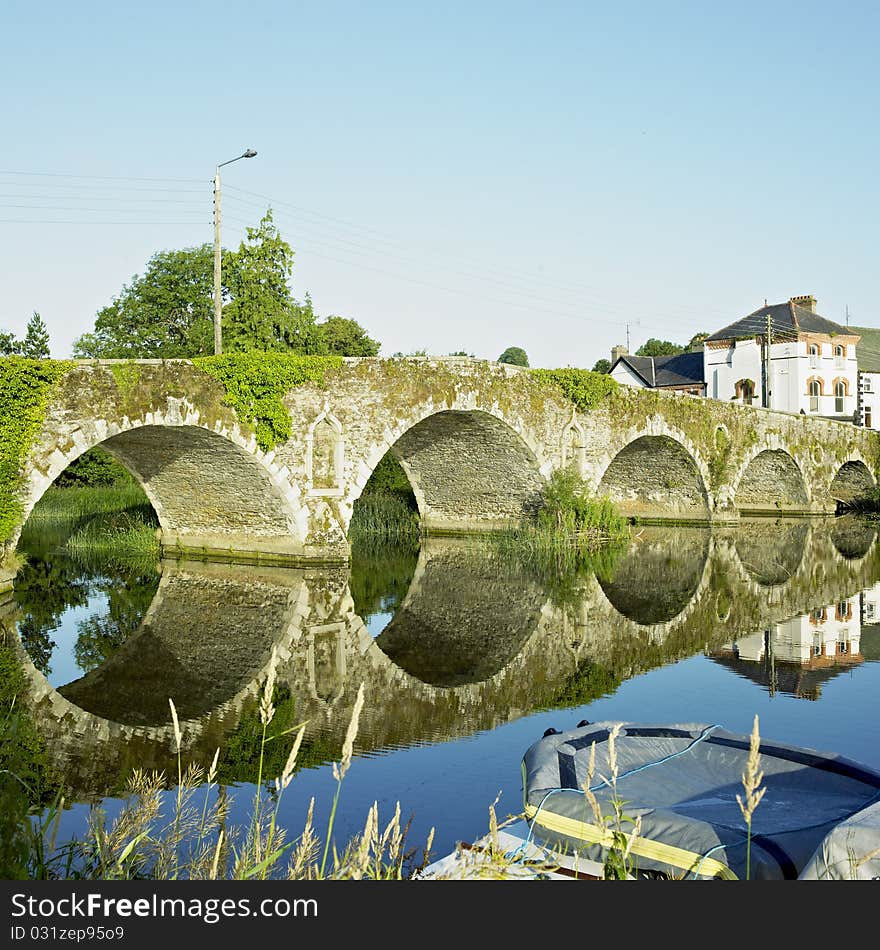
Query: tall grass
(382,519)
(569,530)
(93,522)
(187,835)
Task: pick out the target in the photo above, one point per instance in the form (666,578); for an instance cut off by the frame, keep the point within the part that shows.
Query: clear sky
(454,175)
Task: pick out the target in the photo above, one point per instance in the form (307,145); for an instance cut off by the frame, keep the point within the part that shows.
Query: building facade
(785,357)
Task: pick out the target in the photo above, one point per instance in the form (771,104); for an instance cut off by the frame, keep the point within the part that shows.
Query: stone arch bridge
(476,439)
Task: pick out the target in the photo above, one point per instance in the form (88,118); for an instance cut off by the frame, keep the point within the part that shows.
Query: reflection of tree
(99,637)
(44,590)
(381,575)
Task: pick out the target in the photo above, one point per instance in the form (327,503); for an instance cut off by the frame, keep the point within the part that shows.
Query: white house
(682,372)
(809,367)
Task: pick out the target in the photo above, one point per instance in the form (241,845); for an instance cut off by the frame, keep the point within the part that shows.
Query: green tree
(463,353)
(262,313)
(341,336)
(10,345)
(602,366)
(515,355)
(36,341)
(655,347)
(166,313)
(696,340)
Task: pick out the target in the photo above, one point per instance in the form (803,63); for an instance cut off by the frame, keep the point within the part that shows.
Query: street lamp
(218,295)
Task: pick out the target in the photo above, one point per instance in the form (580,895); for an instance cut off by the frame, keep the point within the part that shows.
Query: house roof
(658,371)
(786,319)
(868,351)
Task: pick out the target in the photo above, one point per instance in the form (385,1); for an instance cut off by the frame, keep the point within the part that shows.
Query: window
(839,356)
(842,648)
(866,384)
(814,395)
(839,393)
(745,390)
(814,356)
(866,415)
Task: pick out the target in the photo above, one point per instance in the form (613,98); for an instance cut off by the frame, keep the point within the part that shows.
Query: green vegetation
(34,346)
(584,388)
(168,312)
(568,533)
(256,383)
(602,366)
(94,468)
(515,355)
(387,511)
(25,390)
(27,781)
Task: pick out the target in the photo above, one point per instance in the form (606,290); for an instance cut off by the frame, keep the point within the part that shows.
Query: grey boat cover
(819,816)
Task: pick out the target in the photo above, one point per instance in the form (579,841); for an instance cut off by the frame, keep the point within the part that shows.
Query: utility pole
(218,293)
(218,284)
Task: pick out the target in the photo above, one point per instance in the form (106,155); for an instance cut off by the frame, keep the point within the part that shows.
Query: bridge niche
(772,482)
(656,476)
(852,482)
(468,471)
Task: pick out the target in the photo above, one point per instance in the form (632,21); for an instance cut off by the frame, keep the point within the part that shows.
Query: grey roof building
(683,372)
(787,321)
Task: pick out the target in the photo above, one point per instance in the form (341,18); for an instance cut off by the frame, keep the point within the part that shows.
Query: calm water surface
(466,659)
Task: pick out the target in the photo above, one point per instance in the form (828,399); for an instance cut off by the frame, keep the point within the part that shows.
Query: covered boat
(669,796)
(818,817)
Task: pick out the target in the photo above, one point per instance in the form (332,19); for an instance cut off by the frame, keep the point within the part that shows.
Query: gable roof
(658,371)
(786,319)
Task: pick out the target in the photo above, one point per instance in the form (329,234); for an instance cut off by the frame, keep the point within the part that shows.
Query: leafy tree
(94,467)
(463,353)
(34,346)
(36,341)
(602,366)
(166,313)
(655,347)
(515,355)
(341,336)
(696,340)
(10,345)
(261,313)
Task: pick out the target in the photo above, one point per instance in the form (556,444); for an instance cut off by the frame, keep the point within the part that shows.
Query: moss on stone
(583,387)
(25,391)
(256,384)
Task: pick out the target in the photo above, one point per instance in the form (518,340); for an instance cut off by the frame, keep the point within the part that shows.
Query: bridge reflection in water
(475,641)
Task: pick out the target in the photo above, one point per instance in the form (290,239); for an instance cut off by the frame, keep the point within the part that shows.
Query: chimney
(807,301)
(617,352)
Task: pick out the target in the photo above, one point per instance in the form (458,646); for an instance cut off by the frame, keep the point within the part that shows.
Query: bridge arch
(852,480)
(658,474)
(659,579)
(212,488)
(468,467)
(770,480)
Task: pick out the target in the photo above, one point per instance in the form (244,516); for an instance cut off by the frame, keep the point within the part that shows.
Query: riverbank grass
(107,521)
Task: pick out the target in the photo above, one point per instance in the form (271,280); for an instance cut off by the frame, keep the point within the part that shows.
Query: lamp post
(218,294)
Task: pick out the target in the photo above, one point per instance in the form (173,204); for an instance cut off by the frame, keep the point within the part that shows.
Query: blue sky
(453,176)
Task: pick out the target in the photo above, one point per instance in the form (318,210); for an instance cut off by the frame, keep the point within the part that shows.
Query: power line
(98,177)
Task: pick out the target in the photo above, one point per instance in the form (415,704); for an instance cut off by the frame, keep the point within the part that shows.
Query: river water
(466,658)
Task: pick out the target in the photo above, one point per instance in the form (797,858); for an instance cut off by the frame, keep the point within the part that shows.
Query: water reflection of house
(799,655)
